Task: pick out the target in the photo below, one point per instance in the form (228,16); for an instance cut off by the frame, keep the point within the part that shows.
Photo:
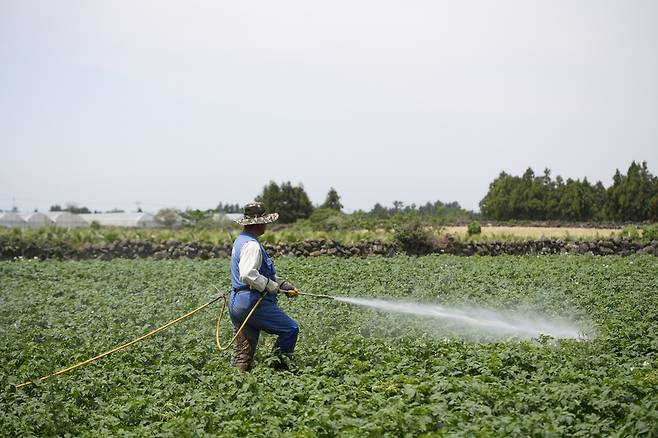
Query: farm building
(64,219)
(36,220)
(134,220)
(12,220)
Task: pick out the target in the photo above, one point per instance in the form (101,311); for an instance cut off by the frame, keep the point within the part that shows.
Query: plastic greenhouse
(136,220)
(12,220)
(64,219)
(37,220)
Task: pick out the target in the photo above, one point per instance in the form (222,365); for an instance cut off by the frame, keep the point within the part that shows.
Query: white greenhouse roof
(65,219)
(36,220)
(12,220)
(142,220)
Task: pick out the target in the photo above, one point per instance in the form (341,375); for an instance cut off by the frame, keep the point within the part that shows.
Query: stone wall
(173,249)
(614,246)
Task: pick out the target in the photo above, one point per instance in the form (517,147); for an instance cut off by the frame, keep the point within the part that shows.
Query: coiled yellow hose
(158,330)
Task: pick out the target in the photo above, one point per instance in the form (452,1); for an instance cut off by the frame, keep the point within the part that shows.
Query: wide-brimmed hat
(254,213)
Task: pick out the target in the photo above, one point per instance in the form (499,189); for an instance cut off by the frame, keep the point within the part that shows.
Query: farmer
(252,276)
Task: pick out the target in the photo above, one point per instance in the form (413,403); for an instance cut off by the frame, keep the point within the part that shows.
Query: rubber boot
(244,349)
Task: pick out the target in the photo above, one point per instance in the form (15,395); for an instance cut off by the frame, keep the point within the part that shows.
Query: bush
(167,216)
(474,228)
(650,232)
(327,219)
(415,239)
(631,232)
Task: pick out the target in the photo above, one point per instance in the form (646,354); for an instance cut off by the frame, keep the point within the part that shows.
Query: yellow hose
(158,330)
(219,321)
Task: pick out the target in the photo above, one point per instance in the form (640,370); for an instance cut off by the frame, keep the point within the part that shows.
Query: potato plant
(356,371)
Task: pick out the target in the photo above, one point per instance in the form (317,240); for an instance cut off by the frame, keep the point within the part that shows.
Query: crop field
(356,371)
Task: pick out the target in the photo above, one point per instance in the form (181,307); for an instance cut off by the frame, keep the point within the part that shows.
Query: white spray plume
(484,320)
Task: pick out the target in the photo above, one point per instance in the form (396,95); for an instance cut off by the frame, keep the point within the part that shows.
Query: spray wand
(329,297)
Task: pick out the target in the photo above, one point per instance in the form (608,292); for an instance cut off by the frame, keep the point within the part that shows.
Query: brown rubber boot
(244,349)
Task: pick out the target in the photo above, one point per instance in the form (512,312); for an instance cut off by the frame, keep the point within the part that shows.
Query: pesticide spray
(486,321)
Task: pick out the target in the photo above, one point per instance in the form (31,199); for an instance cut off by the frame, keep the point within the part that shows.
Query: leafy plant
(630,232)
(473,228)
(650,232)
(414,238)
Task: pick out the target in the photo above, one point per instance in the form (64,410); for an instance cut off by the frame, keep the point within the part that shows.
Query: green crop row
(356,371)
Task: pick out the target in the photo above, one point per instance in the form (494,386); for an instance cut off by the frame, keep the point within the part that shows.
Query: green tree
(553,198)
(599,199)
(196,217)
(497,203)
(332,200)
(378,210)
(228,208)
(167,216)
(577,201)
(291,202)
(73,208)
(632,197)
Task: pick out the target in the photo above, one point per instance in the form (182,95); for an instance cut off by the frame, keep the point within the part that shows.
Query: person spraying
(252,276)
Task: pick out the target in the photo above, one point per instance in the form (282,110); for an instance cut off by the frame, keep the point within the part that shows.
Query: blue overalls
(268,315)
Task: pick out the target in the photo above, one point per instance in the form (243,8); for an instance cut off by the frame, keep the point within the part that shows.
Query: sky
(187,104)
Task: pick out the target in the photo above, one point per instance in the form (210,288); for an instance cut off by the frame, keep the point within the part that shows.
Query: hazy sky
(189,103)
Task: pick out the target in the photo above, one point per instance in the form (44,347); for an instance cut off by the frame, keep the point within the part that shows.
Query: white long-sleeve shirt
(250,261)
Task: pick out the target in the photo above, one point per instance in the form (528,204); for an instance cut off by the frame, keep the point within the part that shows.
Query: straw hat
(254,213)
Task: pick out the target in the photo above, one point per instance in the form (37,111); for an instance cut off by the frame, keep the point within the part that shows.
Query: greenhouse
(12,220)
(64,219)
(135,220)
(37,220)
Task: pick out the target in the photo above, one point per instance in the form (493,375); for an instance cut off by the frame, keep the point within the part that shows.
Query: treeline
(450,211)
(294,206)
(228,208)
(71,208)
(632,197)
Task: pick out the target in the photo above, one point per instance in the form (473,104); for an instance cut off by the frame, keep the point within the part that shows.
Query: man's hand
(289,289)
(292,293)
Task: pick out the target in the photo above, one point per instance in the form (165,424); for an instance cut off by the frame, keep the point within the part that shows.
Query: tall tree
(577,201)
(498,203)
(631,196)
(332,200)
(291,202)
(378,209)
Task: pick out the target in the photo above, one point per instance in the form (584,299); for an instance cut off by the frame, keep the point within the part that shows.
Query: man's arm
(250,261)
